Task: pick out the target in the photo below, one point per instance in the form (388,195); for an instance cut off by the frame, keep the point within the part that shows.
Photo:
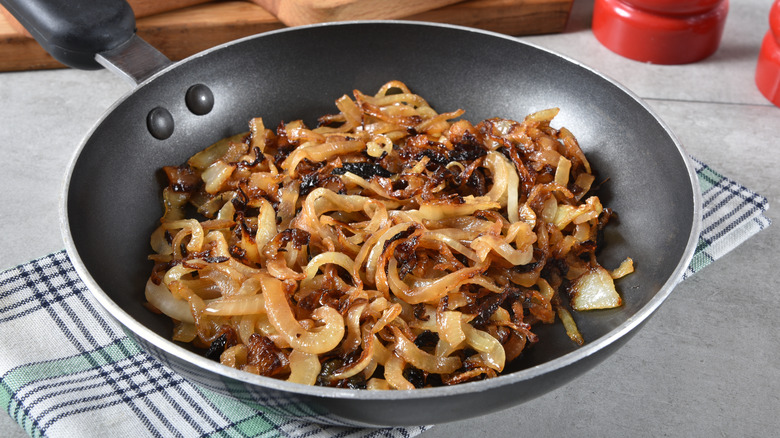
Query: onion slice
(407,350)
(160,297)
(317,341)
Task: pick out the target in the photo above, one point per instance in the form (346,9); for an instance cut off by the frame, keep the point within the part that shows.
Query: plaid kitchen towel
(731,214)
(65,370)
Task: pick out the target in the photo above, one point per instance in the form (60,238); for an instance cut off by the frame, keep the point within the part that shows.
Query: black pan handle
(75,31)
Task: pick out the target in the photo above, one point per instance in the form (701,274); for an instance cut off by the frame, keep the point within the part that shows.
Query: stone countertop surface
(707,364)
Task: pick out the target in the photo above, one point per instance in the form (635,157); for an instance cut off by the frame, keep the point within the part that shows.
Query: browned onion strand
(392,247)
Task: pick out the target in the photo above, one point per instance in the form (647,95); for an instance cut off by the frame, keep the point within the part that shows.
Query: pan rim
(590,348)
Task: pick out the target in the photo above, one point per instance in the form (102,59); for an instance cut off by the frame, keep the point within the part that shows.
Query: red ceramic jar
(768,67)
(660,31)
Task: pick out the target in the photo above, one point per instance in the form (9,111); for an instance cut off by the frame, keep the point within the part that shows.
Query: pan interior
(113,198)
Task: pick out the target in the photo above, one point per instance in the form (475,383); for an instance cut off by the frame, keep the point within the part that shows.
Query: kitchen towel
(67,370)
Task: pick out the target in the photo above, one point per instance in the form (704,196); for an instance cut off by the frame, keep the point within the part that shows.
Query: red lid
(637,29)
(768,67)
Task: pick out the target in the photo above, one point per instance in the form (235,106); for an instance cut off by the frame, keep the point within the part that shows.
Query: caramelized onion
(489,348)
(161,298)
(239,305)
(317,341)
(304,367)
(390,247)
(407,350)
(394,373)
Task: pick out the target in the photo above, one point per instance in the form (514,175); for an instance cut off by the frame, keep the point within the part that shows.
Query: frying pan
(112,195)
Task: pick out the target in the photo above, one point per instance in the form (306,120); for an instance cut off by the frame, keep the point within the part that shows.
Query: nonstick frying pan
(112,196)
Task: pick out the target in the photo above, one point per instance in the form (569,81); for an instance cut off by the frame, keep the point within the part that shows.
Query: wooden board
(301,12)
(183,32)
(141,8)
(188,31)
(177,34)
(511,17)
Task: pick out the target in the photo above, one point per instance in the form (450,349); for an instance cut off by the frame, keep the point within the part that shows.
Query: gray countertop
(707,364)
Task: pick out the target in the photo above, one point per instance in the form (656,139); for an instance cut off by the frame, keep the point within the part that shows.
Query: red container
(660,31)
(768,67)
(674,7)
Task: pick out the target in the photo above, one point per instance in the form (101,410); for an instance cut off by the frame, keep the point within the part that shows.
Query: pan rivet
(159,122)
(199,99)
